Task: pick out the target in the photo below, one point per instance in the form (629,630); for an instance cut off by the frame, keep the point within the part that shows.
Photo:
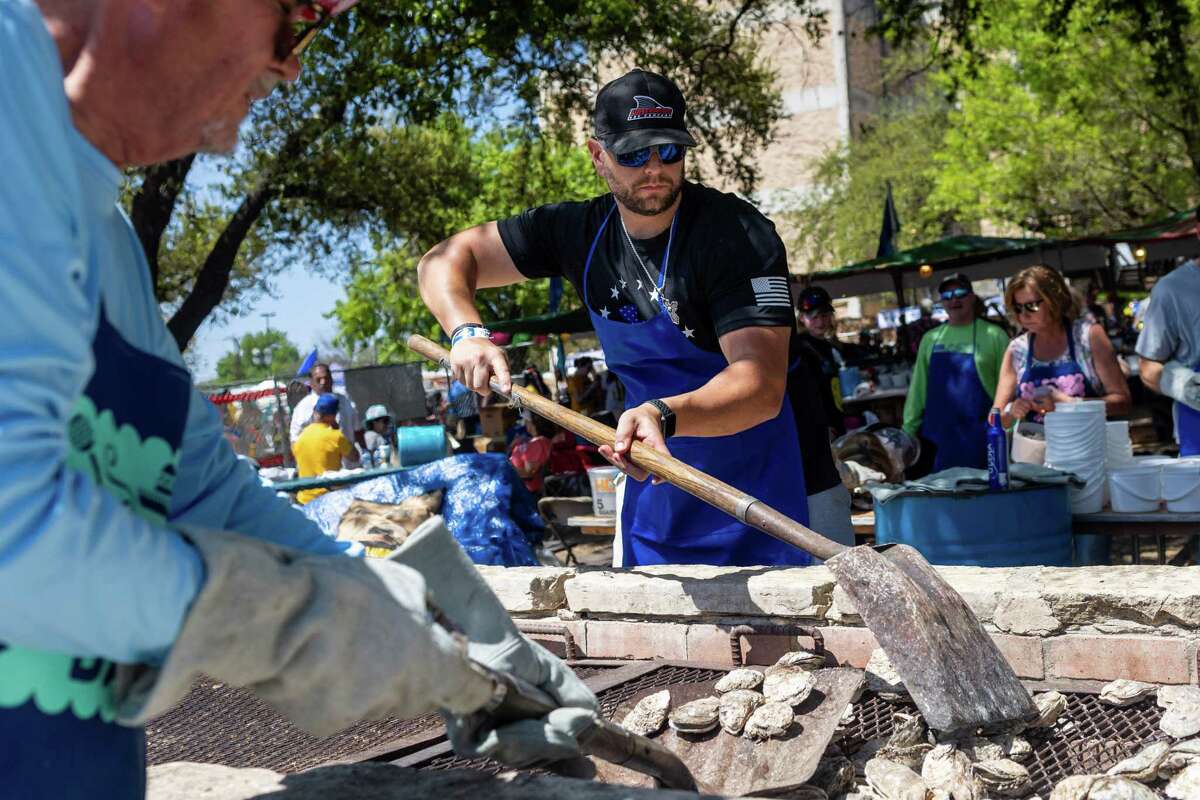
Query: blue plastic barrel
(1019,528)
(420,444)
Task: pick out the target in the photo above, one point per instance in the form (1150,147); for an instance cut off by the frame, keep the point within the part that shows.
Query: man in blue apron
(954,380)
(688,291)
(1169,349)
(136,551)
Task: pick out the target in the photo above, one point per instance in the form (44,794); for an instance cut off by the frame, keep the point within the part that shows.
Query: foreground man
(117,587)
(688,291)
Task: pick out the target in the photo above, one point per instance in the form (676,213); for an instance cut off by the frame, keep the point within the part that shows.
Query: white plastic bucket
(1081,407)
(1135,489)
(1181,486)
(604,493)
(1118,450)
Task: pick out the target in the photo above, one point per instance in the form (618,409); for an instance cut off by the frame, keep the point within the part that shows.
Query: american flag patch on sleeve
(772,291)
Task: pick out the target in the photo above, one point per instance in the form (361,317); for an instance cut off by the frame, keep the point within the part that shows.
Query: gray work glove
(326,640)
(461,594)
(1180,383)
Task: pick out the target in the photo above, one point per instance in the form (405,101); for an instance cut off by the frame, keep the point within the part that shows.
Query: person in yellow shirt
(321,447)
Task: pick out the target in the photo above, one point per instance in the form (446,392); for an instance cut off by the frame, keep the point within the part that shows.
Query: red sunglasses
(302,21)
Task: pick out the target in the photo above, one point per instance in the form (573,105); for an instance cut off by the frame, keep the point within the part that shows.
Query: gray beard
(646,207)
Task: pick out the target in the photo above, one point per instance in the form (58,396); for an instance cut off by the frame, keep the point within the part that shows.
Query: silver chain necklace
(672,306)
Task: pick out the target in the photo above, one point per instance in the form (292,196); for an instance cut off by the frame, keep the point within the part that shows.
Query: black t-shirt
(727,268)
(826,366)
(805,386)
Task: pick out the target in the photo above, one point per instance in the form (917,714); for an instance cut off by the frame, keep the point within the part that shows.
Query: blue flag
(889,232)
(307,366)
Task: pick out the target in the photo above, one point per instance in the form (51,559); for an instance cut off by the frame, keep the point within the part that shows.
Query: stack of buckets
(1077,441)
(1143,484)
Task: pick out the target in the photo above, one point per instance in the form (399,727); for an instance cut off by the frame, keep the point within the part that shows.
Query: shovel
(951,667)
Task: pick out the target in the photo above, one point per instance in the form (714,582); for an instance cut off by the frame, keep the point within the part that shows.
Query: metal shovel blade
(951,667)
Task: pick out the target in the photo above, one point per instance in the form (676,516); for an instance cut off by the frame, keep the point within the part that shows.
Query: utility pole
(267,316)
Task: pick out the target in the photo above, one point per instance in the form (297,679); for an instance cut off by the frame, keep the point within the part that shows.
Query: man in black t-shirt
(687,288)
(817,327)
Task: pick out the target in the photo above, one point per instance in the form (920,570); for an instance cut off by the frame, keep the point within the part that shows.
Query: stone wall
(1072,627)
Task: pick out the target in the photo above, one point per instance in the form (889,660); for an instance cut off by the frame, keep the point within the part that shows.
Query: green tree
(490,176)
(310,181)
(257,356)
(1069,116)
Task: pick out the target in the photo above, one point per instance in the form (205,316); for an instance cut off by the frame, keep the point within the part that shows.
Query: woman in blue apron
(661,524)
(1087,365)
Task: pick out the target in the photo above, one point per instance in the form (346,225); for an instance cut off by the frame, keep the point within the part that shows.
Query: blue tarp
(486,506)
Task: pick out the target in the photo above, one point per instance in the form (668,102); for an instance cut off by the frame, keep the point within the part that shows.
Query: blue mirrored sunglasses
(667,153)
(957,293)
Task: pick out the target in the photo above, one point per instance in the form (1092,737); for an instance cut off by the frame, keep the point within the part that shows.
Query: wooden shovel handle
(717,493)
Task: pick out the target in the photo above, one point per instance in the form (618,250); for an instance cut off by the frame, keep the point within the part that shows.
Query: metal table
(300,484)
(599,525)
(1157,524)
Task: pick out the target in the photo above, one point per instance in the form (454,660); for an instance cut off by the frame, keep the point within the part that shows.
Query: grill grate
(1089,737)
(221,724)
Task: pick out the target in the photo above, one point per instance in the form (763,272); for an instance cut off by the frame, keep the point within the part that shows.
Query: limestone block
(371,781)
(1149,596)
(689,592)
(529,590)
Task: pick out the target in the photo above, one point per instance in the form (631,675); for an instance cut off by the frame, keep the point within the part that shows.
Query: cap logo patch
(648,108)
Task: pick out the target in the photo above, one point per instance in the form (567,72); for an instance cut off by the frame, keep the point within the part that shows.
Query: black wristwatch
(666,422)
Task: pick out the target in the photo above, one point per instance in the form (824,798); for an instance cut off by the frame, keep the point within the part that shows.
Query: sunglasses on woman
(667,154)
(302,22)
(1032,307)
(957,293)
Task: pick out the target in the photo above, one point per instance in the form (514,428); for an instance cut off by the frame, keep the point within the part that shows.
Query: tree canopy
(1067,117)
(257,356)
(322,171)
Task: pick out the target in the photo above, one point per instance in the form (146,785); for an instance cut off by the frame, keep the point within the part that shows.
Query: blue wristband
(469,332)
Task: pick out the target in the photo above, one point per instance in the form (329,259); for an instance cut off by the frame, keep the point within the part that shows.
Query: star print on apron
(956,408)
(661,524)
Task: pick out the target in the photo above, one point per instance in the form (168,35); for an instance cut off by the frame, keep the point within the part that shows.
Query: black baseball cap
(815,298)
(959,278)
(640,109)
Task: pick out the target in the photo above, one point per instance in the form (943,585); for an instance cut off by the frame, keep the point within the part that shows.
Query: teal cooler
(1015,528)
(420,444)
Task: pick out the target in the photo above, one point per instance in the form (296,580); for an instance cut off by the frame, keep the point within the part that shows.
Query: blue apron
(956,409)
(1187,427)
(1076,383)
(661,524)
(58,735)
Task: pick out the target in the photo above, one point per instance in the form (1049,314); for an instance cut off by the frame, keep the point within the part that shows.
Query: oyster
(1011,746)
(907,744)
(1075,787)
(770,720)
(791,685)
(1181,720)
(698,716)
(834,775)
(1142,766)
(1123,692)
(1186,784)
(1181,755)
(1050,706)
(649,715)
(802,658)
(739,679)
(892,781)
(980,749)
(1170,695)
(1001,776)
(736,708)
(883,679)
(948,769)
(1111,787)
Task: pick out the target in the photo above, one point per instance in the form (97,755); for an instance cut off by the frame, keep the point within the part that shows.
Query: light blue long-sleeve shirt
(86,568)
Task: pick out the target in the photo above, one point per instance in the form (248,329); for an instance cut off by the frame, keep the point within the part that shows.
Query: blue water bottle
(997,451)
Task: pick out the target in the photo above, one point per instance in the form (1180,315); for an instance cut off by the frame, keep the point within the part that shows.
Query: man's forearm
(1151,374)
(738,397)
(447,278)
